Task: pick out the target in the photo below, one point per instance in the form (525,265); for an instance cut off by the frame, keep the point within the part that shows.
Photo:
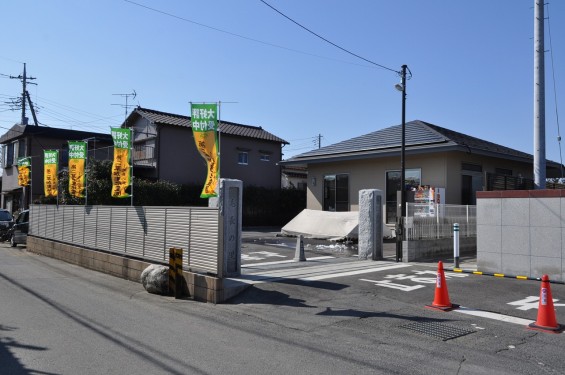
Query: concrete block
(545,241)
(515,265)
(99,265)
(489,238)
(489,211)
(515,240)
(489,262)
(515,212)
(545,212)
(547,266)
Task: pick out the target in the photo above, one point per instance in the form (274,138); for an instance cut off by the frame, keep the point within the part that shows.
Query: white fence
(140,232)
(436,221)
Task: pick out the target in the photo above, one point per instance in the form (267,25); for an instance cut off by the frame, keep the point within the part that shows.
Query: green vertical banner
(121,171)
(50,169)
(205,130)
(24,171)
(77,161)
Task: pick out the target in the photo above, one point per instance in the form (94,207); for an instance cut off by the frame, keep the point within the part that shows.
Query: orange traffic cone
(441,298)
(546,312)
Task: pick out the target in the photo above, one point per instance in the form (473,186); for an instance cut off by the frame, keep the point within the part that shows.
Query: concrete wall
(420,250)
(200,287)
(522,233)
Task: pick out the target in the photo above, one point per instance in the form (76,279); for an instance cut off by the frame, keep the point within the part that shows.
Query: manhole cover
(436,329)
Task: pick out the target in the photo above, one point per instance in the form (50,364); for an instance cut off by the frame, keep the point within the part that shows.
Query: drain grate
(436,329)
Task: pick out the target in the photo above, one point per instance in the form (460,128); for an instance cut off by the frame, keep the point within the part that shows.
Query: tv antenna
(126,106)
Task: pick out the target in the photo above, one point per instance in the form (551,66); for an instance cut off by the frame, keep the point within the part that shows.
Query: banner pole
(131,162)
(86,179)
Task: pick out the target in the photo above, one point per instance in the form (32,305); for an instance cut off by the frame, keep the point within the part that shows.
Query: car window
(5,216)
(22,217)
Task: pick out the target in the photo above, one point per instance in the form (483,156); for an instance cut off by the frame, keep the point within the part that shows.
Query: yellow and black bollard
(178,277)
(172,271)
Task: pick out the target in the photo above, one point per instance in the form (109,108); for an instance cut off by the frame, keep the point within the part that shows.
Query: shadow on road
(9,364)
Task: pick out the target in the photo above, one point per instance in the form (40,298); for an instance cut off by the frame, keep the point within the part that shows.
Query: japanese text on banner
(204,128)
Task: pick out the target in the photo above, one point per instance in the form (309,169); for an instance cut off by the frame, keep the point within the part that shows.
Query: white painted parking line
(390,284)
(491,315)
(322,272)
(283,262)
(354,272)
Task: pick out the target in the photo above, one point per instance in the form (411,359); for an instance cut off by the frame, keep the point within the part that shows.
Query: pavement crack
(463,359)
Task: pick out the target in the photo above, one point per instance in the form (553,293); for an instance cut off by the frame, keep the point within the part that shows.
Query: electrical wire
(326,40)
(241,36)
(554,92)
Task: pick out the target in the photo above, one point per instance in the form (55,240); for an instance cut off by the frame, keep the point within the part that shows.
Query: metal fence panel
(143,232)
(118,226)
(440,225)
(204,239)
(136,226)
(78,225)
(103,227)
(57,224)
(68,219)
(90,228)
(155,237)
(178,231)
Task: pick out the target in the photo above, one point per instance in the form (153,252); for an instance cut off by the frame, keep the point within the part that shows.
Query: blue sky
(472,64)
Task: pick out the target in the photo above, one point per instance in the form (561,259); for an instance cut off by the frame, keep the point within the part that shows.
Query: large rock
(155,279)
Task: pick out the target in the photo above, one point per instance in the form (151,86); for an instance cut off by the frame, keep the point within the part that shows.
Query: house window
(412,179)
(64,155)
(471,167)
(242,158)
(503,171)
(265,157)
(9,155)
(336,192)
(21,148)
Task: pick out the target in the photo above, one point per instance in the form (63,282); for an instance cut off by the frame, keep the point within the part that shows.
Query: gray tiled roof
(420,137)
(19,131)
(226,127)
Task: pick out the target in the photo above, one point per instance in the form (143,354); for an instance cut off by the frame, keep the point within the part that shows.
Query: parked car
(19,229)
(6,223)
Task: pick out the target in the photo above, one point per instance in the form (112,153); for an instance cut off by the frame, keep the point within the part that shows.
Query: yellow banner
(50,180)
(76,178)
(207,146)
(23,175)
(120,173)
(204,121)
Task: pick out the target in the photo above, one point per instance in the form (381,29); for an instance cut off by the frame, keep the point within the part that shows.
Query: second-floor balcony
(144,156)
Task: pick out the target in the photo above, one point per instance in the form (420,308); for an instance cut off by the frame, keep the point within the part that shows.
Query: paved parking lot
(333,267)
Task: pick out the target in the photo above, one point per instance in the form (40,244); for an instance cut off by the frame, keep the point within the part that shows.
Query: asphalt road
(330,315)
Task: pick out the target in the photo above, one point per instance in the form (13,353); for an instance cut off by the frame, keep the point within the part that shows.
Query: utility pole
(25,95)
(319,141)
(539,96)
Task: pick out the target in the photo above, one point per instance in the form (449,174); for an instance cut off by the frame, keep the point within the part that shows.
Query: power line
(242,36)
(326,40)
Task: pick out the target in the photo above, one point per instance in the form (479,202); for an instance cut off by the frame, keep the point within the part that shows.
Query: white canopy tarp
(323,225)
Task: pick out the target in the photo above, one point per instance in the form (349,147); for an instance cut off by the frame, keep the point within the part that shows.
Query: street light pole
(402,205)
